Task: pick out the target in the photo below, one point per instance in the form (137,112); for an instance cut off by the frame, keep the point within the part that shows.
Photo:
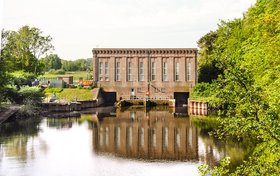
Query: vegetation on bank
(25,57)
(243,57)
(69,95)
(76,75)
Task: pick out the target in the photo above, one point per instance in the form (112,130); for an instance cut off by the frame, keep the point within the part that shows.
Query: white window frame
(177,66)
(188,71)
(106,71)
(118,71)
(141,71)
(129,75)
(165,71)
(153,71)
(100,71)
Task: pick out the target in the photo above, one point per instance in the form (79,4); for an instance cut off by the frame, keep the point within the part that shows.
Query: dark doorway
(181,98)
(109,98)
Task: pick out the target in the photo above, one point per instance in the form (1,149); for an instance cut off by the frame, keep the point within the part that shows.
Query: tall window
(129,75)
(118,71)
(141,71)
(188,71)
(100,71)
(153,71)
(164,70)
(106,71)
(177,71)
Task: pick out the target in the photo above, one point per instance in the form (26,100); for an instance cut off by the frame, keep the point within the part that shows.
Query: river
(105,141)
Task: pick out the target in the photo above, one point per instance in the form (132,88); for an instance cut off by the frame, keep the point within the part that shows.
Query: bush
(21,78)
(53,90)
(60,72)
(31,95)
(56,72)
(90,87)
(26,94)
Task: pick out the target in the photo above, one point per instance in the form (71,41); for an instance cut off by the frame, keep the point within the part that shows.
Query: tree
(51,61)
(247,50)
(24,47)
(207,68)
(77,65)
(3,64)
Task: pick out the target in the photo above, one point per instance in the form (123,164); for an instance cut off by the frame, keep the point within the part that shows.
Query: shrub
(90,87)
(26,94)
(60,72)
(31,95)
(53,90)
(21,78)
(56,72)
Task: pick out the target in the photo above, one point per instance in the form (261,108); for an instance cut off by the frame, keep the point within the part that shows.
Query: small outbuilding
(67,79)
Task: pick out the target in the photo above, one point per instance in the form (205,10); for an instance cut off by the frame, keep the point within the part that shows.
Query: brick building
(139,72)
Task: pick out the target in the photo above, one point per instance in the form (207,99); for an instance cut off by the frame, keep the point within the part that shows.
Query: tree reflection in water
(16,136)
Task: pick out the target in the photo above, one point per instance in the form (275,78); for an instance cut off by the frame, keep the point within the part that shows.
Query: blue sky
(77,26)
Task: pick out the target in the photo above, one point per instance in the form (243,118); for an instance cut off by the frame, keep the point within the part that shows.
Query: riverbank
(7,111)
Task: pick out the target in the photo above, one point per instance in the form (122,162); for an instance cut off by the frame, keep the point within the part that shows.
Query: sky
(78,26)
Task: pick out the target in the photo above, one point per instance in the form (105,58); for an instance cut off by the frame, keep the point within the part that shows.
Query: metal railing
(144,98)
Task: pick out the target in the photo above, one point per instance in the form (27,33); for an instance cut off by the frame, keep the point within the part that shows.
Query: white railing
(144,98)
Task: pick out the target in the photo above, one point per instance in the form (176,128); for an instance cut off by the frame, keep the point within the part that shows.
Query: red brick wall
(158,87)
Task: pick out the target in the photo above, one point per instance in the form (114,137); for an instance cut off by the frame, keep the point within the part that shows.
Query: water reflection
(111,142)
(15,137)
(159,134)
(152,135)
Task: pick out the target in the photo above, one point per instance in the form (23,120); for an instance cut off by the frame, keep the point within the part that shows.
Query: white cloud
(79,25)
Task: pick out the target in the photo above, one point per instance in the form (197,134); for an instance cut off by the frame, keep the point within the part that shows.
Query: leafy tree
(24,47)
(77,65)
(3,65)
(207,68)
(51,61)
(247,50)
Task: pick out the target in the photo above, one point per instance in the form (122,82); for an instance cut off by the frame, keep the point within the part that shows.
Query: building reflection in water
(146,135)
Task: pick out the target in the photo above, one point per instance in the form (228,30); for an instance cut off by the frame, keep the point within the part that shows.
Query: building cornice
(140,51)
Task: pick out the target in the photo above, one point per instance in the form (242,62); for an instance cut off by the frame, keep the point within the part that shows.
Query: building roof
(144,50)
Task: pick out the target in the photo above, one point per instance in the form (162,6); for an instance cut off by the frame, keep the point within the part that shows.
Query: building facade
(140,72)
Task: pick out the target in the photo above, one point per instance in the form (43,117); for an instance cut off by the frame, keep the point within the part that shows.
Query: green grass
(76,75)
(74,94)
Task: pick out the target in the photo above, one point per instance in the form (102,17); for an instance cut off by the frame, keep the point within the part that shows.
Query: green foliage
(223,169)
(53,90)
(76,75)
(4,77)
(26,95)
(77,65)
(51,61)
(203,91)
(56,72)
(207,63)
(21,78)
(22,49)
(247,50)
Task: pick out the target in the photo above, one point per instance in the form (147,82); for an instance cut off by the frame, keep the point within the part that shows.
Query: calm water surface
(108,142)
